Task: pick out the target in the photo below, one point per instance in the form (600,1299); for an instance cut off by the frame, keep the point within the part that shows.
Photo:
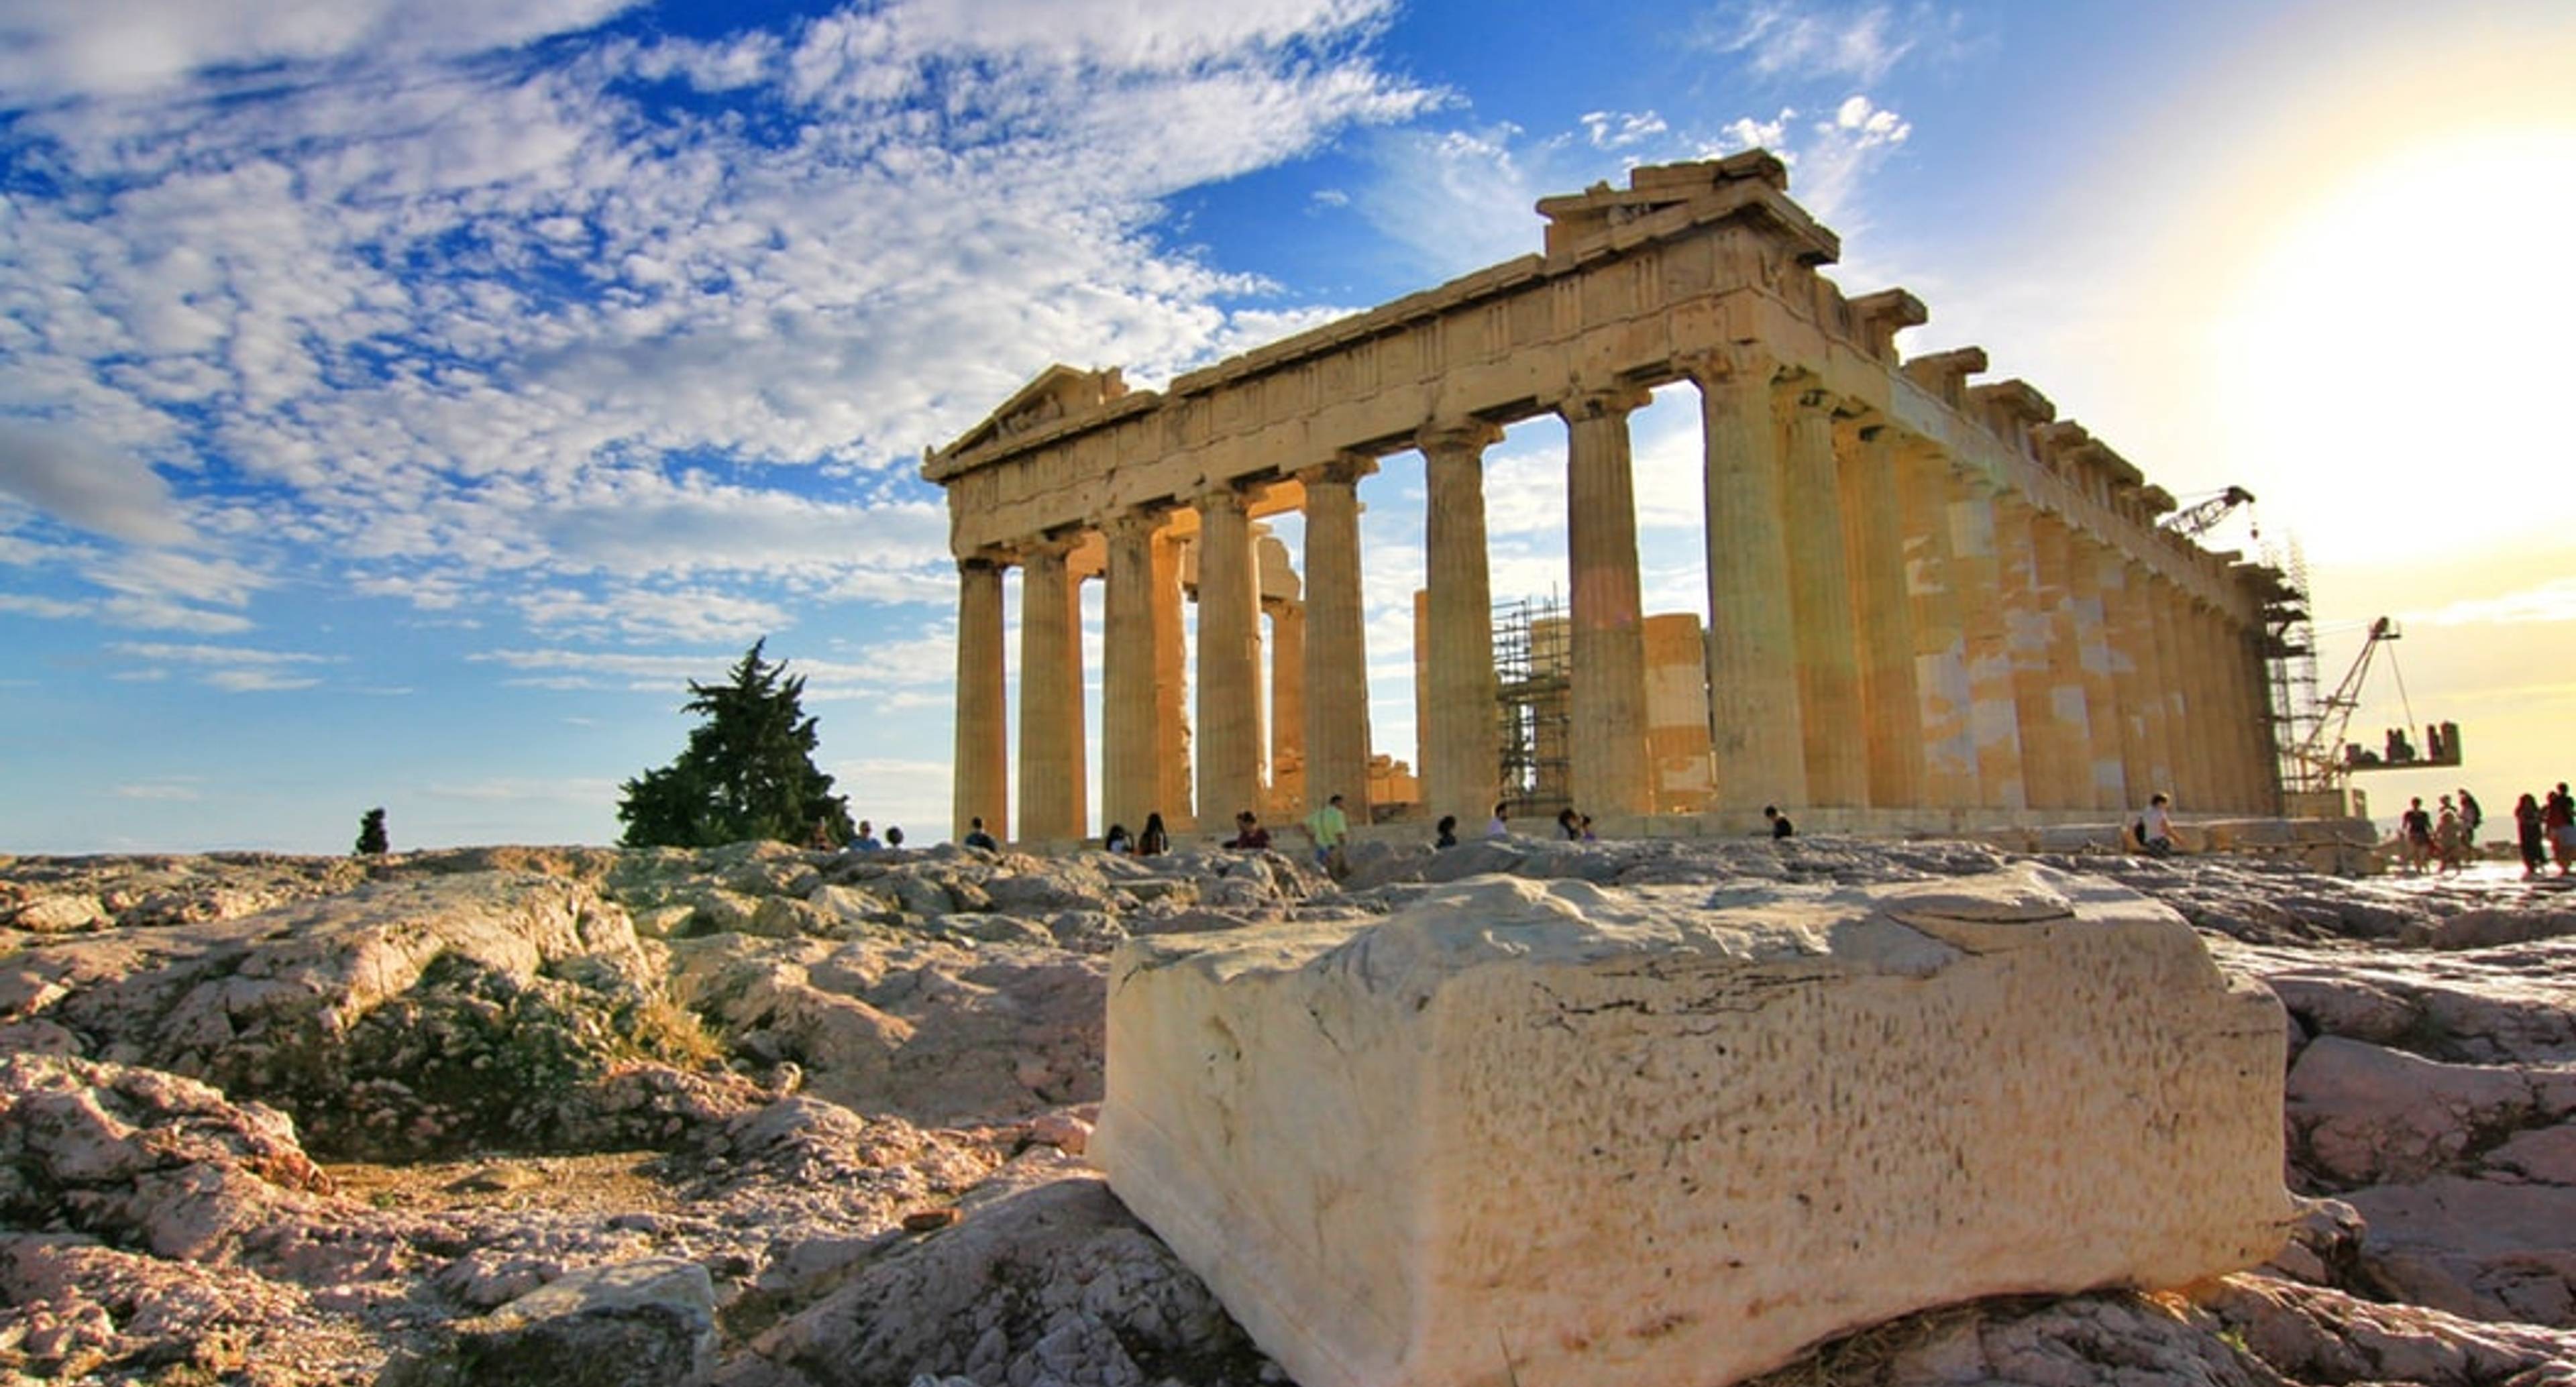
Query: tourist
(2528,832)
(2155,831)
(2472,816)
(2449,840)
(1249,835)
(1585,825)
(976,837)
(1499,826)
(1567,824)
(865,840)
(1447,831)
(821,838)
(894,837)
(2560,817)
(1780,825)
(2416,828)
(1154,842)
(1117,840)
(1330,827)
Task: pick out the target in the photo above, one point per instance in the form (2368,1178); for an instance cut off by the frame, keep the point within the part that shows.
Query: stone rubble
(287,1120)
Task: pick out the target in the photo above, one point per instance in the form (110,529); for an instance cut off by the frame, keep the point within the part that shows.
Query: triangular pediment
(1058,392)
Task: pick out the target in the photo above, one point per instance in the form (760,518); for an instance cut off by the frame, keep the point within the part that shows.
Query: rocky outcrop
(741,1059)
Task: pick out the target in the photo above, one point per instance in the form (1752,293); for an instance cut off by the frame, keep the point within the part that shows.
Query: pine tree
(748,771)
(371,834)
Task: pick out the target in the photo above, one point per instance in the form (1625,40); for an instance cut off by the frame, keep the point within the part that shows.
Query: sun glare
(2395,339)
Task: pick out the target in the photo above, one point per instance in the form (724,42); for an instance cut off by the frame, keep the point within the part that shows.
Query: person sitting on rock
(1117,841)
(2155,831)
(1499,826)
(976,837)
(1155,841)
(865,840)
(1569,823)
(1780,825)
(1445,832)
(894,837)
(1249,835)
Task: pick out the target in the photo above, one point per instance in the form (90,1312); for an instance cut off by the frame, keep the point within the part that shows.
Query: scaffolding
(2290,652)
(1532,668)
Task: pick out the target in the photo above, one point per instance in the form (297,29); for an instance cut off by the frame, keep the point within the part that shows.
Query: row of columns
(1884,631)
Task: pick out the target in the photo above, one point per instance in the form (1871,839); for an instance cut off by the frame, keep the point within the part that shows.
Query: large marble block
(1541,1134)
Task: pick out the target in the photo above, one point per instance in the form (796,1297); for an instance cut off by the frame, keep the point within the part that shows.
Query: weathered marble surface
(1548,1133)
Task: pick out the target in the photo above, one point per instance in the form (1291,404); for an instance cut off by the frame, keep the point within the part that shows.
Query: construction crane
(2322,762)
(2202,516)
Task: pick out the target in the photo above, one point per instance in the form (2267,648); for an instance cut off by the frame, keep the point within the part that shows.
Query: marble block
(1541,1134)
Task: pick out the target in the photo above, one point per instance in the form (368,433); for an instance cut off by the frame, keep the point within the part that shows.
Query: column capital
(1737,363)
(991,558)
(1220,495)
(1797,390)
(1133,522)
(1053,545)
(1342,469)
(1454,435)
(1582,402)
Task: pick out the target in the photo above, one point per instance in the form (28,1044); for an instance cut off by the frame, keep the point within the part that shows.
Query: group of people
(2546,829)
(864,840)
(2443,840)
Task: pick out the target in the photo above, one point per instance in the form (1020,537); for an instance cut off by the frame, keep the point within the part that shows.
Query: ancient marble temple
(1931,603)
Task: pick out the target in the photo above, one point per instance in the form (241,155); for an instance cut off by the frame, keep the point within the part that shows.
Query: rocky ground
(773,1118)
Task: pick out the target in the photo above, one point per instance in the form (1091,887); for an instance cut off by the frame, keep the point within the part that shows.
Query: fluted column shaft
(2159,686)
(1077,756)
(1171,688)
(2071,733)
(2102,720)
(1288,746)
(1994,707)
(1047,768)
(1229,661)
(980,785)
(1882,616)
(2185,707)
(1942,693)
(2027,619)
(1461,751)
(1756,726)
(1130,740)
(1611,773)
(2130,682)
(1337,713)
(1837,747)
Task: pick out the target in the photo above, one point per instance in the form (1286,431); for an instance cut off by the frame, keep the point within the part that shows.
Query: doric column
(1755,727)
(1337,713)
(2147,683)
(1229,660)
(1287,703)
(1610,772)
(1077,755)
(1994,708)
(2026,617)
(1130,735)
(2185,708)
(1882,615)
(2159,688)
(1047,627)
(1837,747)
(2229,655)
(2072,733)
(1461,751)
(1171,686)
(2130,680)
(1940,640)
(2103,722)
(980,785)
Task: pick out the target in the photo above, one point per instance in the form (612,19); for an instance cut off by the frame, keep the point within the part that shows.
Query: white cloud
(173,790)
(450,325)
(2551,601)
(1785,39)
(258,681)
(1619,130)
(237,655)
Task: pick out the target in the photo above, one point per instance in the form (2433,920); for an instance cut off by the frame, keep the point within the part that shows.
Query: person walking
(2473,816)
(2415,826)
(1330,827)
(2450,840)
(2559,816)
(2528,835)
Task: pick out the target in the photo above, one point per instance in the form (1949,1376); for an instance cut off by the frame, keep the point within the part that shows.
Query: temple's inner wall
(1930,601)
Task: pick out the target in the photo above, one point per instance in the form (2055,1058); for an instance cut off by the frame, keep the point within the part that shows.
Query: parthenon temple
(1931,603)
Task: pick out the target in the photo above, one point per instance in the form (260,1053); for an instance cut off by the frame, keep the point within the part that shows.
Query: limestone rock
(1568,1135)
(646,1323)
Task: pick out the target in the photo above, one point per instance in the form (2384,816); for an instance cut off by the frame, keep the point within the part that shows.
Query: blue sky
(399,402)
